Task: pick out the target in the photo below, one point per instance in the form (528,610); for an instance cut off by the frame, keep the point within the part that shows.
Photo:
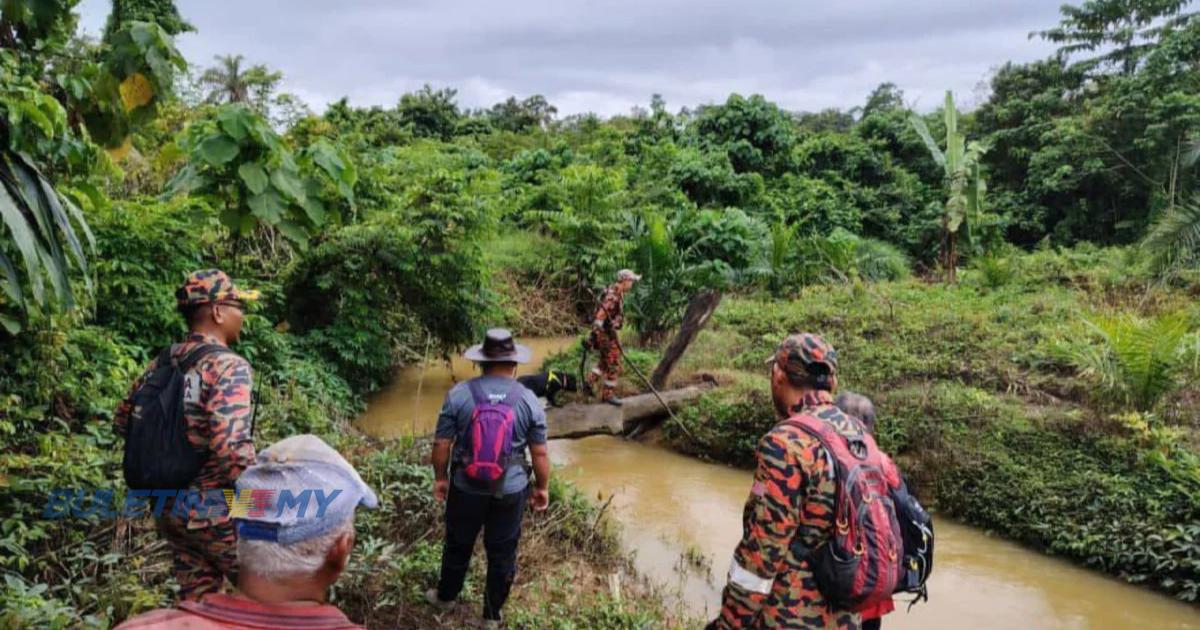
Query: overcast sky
(606,56)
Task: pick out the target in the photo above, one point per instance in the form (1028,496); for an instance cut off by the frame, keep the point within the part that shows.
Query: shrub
(146,251)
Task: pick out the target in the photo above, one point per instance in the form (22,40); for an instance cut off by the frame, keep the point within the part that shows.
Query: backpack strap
(514,395)
(477,394)
(189,360)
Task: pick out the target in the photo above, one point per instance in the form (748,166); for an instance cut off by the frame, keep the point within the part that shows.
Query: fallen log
(579,420)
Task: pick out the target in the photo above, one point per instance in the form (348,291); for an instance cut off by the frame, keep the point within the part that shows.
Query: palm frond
(1175,239)
(41,224)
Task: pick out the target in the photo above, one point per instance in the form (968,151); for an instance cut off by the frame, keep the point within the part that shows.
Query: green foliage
(239,164)
(1174,240)
(227,82)
(40,222)
(430,113)
(694,251)
(384,291)
(41,225)
(1139,359)
(984,413)
(517,116)
(1119,28)
(586,220)
(146,250)
(160,12)
(840,256)
(754,133)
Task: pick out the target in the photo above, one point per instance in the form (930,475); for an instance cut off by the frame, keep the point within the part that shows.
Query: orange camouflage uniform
(219,420)
(790,510)
(606,325)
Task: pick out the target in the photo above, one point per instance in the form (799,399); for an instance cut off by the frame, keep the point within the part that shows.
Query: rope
(638,371)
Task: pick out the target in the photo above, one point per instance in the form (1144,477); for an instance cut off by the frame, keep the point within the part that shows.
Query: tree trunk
(699,309)
(579,420)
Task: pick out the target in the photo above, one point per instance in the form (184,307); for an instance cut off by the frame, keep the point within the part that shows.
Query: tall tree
(884,98)
(1124,29)
(230,82)
(514,115)
(160,12)
(431,113)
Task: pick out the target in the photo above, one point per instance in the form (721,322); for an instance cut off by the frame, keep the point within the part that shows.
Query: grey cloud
(609,56)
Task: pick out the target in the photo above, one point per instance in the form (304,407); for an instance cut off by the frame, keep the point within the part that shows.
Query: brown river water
(681,519)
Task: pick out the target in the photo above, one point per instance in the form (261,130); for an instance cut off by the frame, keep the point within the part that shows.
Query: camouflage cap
(797,352)
(627,274)
(210,285)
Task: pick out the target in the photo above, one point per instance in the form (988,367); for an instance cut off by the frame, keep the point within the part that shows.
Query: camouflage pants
(202,558)
(604,342)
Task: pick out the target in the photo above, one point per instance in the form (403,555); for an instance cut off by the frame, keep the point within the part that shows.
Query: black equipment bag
(158,455)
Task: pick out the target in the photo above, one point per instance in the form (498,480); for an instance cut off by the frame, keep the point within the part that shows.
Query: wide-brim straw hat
(498,347)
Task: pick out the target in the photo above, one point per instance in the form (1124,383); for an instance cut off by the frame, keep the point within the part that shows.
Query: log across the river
(579,420)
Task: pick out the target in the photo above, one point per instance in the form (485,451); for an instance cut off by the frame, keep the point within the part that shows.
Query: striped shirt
(235,612)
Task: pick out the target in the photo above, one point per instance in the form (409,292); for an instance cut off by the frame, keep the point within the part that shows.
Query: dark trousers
(872,624)
(500,519)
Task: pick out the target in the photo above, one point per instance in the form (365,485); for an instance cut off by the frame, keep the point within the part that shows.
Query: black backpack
(158,455)
(916,527)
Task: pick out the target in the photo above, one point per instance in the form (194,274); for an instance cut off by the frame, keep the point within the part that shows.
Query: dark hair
(484,366)
(815,376)
(859,406)
(191,313)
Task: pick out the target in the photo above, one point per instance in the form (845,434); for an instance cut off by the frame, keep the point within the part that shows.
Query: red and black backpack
(861,564)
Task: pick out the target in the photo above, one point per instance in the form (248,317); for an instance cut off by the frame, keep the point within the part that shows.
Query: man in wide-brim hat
(485,427)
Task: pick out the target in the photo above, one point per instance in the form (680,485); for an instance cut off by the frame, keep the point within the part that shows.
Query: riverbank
(573,573)
(682,515)
(987,403)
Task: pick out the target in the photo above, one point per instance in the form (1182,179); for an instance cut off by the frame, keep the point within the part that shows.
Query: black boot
(614,401)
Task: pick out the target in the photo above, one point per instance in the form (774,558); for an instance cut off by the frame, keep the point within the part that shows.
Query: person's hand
(539,499)
(441,487)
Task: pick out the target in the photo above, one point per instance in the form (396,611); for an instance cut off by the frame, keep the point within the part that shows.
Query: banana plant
(965,185)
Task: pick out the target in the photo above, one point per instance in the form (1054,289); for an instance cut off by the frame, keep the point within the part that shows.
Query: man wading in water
(792,501)
(488,421)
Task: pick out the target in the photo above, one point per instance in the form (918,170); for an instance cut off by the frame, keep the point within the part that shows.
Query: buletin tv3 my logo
(257,503)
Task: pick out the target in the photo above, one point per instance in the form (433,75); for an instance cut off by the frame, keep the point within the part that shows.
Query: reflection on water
(409,406)
(669,504)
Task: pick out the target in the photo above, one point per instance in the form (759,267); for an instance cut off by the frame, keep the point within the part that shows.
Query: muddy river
(681,519)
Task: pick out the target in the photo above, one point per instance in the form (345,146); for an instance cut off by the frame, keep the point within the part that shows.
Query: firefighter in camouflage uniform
(791,504)
(218,414)
(606,326)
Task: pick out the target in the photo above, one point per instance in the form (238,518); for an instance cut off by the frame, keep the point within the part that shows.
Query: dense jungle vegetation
(1016,284)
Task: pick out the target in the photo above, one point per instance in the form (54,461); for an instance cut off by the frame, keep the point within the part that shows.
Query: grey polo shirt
(529,427)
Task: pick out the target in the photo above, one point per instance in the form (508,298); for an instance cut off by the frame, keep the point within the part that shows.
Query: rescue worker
(791,504)
(606,326)
(217,411)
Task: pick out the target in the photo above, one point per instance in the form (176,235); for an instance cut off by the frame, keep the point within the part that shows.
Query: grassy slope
(982,412)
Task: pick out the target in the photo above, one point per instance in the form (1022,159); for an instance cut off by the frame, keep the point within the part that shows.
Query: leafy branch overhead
(242,166)
(51,110)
